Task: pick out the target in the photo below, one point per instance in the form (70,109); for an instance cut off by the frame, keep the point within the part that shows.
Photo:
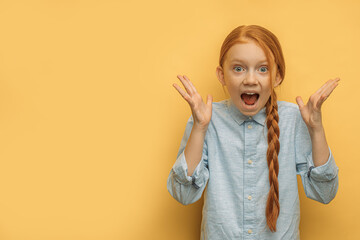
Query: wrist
(199,128)
(316,131)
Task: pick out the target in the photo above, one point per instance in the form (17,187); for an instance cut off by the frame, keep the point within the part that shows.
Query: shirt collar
(239,117)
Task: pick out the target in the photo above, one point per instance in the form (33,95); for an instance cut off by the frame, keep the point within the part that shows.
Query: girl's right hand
(201,112)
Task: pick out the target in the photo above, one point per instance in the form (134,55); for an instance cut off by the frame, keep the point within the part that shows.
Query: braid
(272,119)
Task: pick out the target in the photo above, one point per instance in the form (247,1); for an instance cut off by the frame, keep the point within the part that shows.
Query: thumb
(209,101)
(300,102)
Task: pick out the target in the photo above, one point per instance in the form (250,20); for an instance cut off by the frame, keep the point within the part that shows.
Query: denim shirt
(234,176)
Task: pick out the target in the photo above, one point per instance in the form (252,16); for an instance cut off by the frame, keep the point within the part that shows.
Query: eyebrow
(239,60)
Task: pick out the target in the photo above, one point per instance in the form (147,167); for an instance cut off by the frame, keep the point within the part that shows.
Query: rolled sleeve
(325,172)
(180,170)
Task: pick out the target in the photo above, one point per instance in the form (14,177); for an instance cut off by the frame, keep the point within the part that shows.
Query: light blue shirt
(234,176)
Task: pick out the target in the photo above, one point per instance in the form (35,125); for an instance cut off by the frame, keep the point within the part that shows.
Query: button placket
(249,174)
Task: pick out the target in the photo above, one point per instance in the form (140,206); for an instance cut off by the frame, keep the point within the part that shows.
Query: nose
(250,78)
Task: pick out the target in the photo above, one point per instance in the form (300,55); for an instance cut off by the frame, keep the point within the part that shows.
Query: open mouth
(250,98)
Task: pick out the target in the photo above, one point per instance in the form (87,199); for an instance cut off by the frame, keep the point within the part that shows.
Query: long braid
(272,119)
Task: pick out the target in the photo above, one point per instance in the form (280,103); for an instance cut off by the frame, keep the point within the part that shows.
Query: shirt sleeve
(320,183)
(188,189)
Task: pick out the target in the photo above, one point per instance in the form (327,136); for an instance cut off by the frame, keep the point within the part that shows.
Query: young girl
(249,148)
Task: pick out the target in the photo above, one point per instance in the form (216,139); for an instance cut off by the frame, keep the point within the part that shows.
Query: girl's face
(246,74)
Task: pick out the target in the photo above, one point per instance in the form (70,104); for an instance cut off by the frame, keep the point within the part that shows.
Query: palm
(311,112)
(201,112)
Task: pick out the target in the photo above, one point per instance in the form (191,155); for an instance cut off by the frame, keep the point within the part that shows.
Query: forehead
(249,52)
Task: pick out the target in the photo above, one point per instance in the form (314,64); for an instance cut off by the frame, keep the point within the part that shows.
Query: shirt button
(249,127)
(249,161)
(249,197)
(250,231)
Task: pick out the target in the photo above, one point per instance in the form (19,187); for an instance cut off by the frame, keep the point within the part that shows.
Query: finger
(300,102)
(184,94)
(331,88)
(190,83)
(326,94)
(186,85)
(327,91)
(327,85)
(321,89)
(317,98)
(320,102)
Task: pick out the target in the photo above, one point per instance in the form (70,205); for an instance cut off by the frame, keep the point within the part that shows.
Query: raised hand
(311,112)
(201,112)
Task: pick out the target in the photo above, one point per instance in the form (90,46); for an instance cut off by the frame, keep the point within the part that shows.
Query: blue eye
(238,67)
(263,69)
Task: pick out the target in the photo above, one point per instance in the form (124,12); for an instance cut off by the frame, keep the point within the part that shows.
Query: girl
(249,148)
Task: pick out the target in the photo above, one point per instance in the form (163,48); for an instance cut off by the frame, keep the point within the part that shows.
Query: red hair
(272,49)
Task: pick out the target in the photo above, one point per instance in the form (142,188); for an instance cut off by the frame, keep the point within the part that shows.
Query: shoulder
(220,104)
(220,107)
(287,107)
(220,114)
(288,110)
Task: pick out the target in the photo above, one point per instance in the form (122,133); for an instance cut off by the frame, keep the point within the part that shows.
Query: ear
(220,75)
(277,80)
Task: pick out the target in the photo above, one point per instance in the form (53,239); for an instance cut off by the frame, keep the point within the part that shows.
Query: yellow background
(90,124)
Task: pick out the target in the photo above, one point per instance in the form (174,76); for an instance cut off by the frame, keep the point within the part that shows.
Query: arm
(311,114)
(320,152)
(189,175)
(320,180)
(184,187)
(194,148)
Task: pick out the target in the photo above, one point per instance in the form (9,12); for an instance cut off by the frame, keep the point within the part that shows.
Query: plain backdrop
(90,124)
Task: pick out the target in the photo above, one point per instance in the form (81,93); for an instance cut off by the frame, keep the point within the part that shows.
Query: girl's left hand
(311,112)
